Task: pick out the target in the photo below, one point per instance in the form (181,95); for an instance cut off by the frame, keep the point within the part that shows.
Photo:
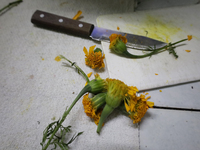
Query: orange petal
(89,74)
(188,51)
(85,50)
(127,107)
(58,58)
(150,104)
(77,15)
(189,37)
(91,49)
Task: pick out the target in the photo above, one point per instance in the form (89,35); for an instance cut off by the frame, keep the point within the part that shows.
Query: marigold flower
(114,36)
(116,91)
(97,85)
(94,59)
(137,106)
(92,105)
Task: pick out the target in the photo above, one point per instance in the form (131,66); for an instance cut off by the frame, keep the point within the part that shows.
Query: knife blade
(87,30)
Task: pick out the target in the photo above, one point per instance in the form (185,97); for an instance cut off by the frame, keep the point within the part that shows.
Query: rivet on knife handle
(59,23)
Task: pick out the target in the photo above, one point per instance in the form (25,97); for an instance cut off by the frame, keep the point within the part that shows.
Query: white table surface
(35,89)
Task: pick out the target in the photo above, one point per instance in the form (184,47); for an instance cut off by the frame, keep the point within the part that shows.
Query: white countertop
(35,89)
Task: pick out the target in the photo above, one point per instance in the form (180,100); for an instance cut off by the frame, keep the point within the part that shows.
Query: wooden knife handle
(59,23)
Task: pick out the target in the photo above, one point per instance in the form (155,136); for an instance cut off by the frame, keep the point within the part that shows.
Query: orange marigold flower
(94,59)
(92,106)
(189,37)
(136,106)
(89,110)
(115,36)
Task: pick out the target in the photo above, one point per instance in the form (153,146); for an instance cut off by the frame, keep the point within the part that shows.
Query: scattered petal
(160,90)
(189,37)
(156,74)
(58,58)
(77,15)
(188,51)
(118,28)
(89,74)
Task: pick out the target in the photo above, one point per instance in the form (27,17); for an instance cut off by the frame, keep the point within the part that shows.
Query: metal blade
(134,41)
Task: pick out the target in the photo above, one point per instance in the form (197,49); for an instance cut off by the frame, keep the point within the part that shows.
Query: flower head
(92,106)
(116,91)
(114,36)
(97,85)
(136,106)
(118,44)
(94,59)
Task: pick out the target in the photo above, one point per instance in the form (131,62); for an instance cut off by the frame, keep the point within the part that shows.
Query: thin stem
(77,67)
(156,51)
(83,91)
(11,4)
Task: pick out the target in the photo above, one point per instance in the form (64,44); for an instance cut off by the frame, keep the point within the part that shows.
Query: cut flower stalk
(109,94)
(118,46)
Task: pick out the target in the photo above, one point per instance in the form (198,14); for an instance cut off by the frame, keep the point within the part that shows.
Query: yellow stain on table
(156,28)
(28,107)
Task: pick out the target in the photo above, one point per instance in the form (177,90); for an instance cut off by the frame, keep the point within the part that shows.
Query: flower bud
(116,92)
(118,46)
(97,85)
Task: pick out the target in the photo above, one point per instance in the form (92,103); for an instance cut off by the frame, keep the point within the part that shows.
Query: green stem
(11,4)
(77,67)
(87,88)
(164,48)
(107,110)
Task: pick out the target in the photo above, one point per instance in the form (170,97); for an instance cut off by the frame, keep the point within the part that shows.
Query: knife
(87,30)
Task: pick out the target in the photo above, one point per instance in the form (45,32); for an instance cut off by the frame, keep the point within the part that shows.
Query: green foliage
(10,5)
(58,140)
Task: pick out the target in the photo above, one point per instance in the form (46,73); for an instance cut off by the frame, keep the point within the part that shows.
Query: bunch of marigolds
(110,94)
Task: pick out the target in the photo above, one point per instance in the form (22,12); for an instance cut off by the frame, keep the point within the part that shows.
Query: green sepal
(98,50)
(107,110)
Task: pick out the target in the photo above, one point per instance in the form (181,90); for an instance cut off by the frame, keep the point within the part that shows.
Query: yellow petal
(127,107)
(92,48)
(188,51)
(85,50)
(58,58)
(89,74)
(150,104)
(77,15)
(189,37)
